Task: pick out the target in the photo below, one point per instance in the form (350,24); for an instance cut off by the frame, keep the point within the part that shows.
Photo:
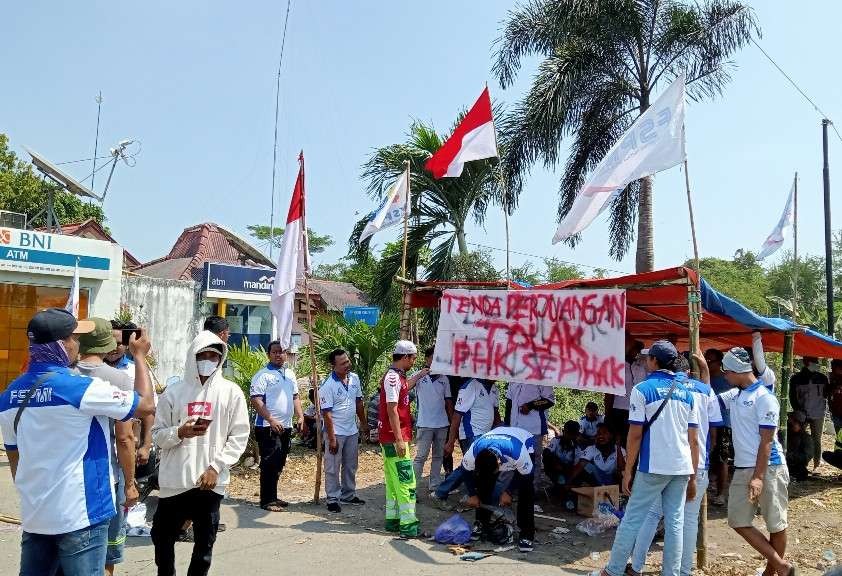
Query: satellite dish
(64,180)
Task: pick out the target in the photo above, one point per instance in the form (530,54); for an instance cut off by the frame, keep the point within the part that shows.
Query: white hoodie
(218,399)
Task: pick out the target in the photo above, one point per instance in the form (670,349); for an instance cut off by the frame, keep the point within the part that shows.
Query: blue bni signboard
(240,279)
(368,314)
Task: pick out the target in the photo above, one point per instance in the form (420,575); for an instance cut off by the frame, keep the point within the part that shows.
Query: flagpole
(505,199)
(405,311)
(795,249)
(314,375)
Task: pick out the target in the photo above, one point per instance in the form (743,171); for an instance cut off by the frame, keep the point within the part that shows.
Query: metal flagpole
(505,199)
(795,249)
(828,235)
(405,328)
(96,140)
(695,320)
(314,375)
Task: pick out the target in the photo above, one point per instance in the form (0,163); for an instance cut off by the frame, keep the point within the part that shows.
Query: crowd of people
(85,415)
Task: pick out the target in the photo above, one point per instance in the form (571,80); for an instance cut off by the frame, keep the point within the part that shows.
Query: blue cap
(663,351)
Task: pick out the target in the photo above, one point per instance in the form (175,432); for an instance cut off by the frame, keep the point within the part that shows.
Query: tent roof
(656,304)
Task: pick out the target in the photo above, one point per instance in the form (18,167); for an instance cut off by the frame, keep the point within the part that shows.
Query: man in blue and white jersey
(761,476)
(55,428)
(710,421)
(274,396)
(668,450)
(504,449)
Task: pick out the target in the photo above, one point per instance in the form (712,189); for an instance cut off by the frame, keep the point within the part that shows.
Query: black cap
(55,324)
(663,350)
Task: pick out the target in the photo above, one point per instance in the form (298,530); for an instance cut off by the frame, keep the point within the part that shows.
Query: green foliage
(21,190)
(316,242)
(440,208)
(601,63)
(558,271)
(246,362)
(474,266)
(369,347)
(742,278)
(527,273)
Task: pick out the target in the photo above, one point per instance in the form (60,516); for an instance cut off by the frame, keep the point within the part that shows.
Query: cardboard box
(590,497)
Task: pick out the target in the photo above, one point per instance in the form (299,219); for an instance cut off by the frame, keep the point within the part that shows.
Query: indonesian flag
(292,262)
(473,139)
(72,305)
(782,230)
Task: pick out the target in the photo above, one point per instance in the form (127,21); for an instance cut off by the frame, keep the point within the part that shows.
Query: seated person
(602,464)
(504,449)
(835,458)
(799,446)
(582,443)
(560,455)
(589,422)
(309,438)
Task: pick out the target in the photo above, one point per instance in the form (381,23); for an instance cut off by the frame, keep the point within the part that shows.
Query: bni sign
(238,279)
(368,314)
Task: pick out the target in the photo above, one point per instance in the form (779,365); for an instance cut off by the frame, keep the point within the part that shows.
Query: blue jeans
(646,490)
(79,553)
(691,529)
(117,526)
(461,476)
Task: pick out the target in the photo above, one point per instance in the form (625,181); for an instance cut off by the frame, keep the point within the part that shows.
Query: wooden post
(783,389)
(314,375)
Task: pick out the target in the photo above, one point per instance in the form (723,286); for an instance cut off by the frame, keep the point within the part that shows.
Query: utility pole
(828,250)
(96,140)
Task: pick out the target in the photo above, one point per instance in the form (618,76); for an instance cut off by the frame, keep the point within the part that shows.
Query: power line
(548,258)
(81,160)
(275,146)
(798,88)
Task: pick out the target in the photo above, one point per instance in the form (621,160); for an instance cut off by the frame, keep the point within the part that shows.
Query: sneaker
(476,532)
(222,527)
(354,501)
(537,509)
(334,507)
(186,535)
(442,504)
(717,500)
(524,545)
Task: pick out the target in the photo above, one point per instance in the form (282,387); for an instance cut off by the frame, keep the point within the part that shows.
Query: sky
(194,83)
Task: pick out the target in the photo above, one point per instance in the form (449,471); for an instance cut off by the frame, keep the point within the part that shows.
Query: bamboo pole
(783,389)
(405,327)
(795,250)
(504,200)
(314,375)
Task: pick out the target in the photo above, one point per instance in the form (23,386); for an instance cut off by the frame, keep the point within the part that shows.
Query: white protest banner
(567,338)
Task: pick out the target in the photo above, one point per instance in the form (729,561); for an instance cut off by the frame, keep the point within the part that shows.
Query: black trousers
(200,506)
(274,449)
(525,488)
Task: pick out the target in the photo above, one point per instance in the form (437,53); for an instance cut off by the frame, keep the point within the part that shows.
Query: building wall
(171,311)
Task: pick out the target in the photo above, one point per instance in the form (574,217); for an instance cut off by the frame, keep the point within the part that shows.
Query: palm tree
(441,208)
(603,60)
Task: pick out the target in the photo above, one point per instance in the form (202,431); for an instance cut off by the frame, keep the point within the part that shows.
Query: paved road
(296,542)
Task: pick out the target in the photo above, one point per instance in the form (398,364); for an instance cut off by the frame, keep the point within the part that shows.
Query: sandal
(630,571)
(273,507)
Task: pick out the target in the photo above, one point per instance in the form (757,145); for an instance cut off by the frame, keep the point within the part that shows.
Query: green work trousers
(400,492)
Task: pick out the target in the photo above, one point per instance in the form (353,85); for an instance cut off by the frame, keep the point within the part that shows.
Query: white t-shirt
(635,374)
(430,393)
(708,414)
(751,410)
(580,453)
(64,476)
(477,406)
(513,447)
(664,448)
(567,455)
(587,427)
(341,402)
(520,394)
(605,464)
(277,387)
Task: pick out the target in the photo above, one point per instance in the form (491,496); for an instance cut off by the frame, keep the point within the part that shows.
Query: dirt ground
(815,517)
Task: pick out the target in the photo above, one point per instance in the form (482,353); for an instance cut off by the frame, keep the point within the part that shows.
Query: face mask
(206,367)
(813,367)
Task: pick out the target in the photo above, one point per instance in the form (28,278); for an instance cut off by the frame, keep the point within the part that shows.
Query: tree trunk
(645,257)
(461,241)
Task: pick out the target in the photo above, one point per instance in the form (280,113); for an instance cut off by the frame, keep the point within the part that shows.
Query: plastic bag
(454,530)
(136,516)
(594,526)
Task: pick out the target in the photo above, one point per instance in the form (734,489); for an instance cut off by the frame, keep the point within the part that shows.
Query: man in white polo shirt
(341,401)
(662,431)
(274,396)
(760,473)
(434,409)
(526,408)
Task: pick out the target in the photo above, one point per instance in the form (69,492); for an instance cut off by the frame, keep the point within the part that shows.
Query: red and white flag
(473,139)
(292,261)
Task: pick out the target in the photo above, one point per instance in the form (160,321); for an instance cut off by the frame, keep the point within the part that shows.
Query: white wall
(170,310)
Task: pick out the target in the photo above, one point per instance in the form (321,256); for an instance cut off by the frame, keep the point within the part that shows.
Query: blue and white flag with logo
(654,142)
(394,208)
(782,230)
